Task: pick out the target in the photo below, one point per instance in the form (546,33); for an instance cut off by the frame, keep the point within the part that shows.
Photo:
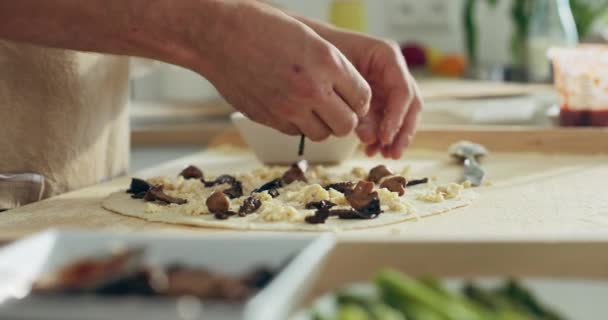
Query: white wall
(170,82)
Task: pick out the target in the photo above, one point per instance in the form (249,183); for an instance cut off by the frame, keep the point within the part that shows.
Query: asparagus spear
(522,297)
(351,311)
(375,309)
(396,286)
(501,307)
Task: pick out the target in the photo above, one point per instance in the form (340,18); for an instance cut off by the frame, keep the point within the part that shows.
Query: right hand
(280,73)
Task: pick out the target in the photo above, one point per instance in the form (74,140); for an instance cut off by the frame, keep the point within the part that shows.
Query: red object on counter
(583,118)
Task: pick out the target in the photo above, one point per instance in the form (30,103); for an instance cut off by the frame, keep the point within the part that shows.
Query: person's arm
(268,65)
(144,28)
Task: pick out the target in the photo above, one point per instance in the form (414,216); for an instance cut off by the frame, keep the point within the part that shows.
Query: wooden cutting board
(545,183)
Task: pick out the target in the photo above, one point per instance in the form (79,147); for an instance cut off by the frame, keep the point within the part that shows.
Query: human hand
(279,72)
(390,125)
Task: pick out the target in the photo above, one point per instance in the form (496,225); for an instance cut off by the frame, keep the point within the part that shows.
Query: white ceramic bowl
(274,147)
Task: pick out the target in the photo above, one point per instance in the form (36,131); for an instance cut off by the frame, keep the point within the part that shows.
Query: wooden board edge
(499,139)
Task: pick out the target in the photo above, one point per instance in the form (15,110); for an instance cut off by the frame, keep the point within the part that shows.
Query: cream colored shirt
(63,119)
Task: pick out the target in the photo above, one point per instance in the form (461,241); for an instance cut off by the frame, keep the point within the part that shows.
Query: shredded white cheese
(441,193)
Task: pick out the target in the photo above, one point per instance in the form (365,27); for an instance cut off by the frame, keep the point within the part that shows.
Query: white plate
(22,262)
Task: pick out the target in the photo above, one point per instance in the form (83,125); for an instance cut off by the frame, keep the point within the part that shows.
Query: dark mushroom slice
(140,195)
(138,186)
(417,182)
(271,187)
(251,205)
(320,217)
(274,184)
(365,200)
(347,214)
(297,172)
(395,184)
(377,173)
(192,172)
(324,204)
(224,215)
(235,190)
(218,202)
(156,193)
(361,195)
(342,187)
(352,214)
(223,179)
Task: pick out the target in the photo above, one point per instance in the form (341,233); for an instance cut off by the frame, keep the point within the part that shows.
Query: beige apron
(63,119)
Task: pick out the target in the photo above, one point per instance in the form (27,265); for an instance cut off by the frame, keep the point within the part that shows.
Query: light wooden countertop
(548,184)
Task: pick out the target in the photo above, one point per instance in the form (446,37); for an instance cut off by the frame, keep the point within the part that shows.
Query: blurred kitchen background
(479,62)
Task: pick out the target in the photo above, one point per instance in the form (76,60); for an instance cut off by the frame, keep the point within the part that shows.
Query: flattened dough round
(121,203)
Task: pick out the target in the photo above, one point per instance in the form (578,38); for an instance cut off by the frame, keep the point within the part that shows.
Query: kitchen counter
(536,193)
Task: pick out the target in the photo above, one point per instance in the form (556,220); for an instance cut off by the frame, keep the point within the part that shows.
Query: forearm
(147,28)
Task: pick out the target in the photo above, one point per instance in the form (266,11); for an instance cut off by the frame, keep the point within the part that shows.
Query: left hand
(390,125)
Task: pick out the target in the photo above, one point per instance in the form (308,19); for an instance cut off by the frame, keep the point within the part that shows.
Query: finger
(396,109)
(353,88)
(406,134)
(372,149)
(368,125)
(313,127)
(338,116)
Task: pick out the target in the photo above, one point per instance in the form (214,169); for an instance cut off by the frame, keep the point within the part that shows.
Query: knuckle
(326,54)
(306,88)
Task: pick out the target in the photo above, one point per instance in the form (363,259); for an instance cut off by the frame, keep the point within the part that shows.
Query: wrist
(184,33)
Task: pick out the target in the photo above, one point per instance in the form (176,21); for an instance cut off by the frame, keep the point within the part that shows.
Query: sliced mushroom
(218,202)
(251,205)
(323,204)
(223,179)
(361,195)
(320,217)
(365,200)
(343,187)
(235,190)
(297,172)
(138,186)
(156,193)
(192,172)
(395,184)
(346,214)
(377,173)
(140,195)
(271,187)
(224,215)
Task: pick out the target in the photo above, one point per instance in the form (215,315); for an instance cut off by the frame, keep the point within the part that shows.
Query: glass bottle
(551,24)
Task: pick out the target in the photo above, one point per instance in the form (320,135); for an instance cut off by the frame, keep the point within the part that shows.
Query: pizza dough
(122,203)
